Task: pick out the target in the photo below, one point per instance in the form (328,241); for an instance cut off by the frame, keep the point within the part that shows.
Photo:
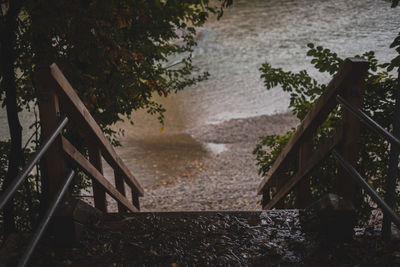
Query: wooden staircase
(243,238)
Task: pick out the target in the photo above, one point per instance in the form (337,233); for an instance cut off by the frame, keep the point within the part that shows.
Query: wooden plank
(352,70)
(346,186)
(313,161)
(74,155)
(76,108)
(303,190)
(49,119)
(119,184)
(98,191)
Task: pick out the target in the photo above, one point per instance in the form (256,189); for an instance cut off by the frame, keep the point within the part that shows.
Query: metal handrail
(12,188)
(388,211)
(369,121)
(373,194)
(45,221)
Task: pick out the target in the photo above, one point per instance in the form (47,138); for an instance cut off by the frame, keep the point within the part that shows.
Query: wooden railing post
(303,190)
(266,198)
(49,118)
(99,193)
(346,186)
(135,200)
(281,180)
(119,184)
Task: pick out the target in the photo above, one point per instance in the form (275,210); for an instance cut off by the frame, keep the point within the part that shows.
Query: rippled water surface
(257,31)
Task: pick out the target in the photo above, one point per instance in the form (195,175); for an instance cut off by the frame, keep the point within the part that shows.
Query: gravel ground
(225,179)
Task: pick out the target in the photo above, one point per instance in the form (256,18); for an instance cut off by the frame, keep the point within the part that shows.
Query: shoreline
(219,180)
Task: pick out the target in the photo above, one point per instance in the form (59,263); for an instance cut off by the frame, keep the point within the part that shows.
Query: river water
(256,31)
(232,50)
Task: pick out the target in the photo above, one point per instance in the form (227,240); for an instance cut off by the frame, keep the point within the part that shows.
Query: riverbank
(226,177)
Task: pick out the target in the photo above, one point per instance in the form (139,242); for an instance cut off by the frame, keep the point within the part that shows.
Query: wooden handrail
(349,75)
(55,93)
(73,154)
(81,114)
(316,158)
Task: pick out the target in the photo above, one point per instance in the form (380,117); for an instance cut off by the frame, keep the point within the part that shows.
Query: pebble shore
(227,178)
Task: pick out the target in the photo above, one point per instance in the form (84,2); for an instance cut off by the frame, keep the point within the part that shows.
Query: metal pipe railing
(45,221)
(369,121)
(12,188)
(371,192)
(395,142)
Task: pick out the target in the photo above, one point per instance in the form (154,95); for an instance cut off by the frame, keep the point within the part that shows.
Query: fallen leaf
(154,252)
(129,219)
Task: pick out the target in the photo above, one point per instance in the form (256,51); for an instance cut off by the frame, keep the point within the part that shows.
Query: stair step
(228,238)
(201,238)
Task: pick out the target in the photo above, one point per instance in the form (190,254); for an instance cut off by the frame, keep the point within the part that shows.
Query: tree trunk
(8,38)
